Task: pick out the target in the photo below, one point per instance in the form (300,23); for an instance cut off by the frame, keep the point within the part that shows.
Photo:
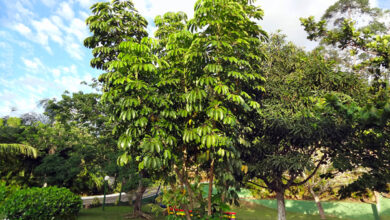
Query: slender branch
(311,175)
(265,187)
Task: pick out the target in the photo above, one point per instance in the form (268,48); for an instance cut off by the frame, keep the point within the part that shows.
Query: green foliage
(42,203)
(367,122)
(76,149)
(79,147)
(292,130)
(6,191)
(180,101)
(17,156)
(15,149)
(366,134)
(14,122)
(112,23)
(352,9)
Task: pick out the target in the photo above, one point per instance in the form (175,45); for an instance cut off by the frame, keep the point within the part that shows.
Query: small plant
(153,209)
(95,202)
(41,203)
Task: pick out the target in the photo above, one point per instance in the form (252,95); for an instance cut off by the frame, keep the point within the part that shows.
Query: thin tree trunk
(138,198)
(281,205)
(185,206)
(211,178)
(188,215)
(190,194)
(137,212)
(377,201)
(318,203)
(185,180)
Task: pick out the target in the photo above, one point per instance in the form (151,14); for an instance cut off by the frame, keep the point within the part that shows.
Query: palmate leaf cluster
(111,24)
(180,100)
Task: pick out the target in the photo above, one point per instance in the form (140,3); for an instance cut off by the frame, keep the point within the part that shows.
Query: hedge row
(39,203)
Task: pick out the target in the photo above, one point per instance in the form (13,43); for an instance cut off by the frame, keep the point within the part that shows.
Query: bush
(6,191)
(95,202)
(42,203)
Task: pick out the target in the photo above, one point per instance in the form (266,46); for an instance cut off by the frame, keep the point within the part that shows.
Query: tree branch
(265,187)
(311,175)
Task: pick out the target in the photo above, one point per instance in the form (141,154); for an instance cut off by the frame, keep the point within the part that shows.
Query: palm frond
(15,149)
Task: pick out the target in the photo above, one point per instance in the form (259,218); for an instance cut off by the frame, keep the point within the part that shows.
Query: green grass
(252,211)
(343,210)
(247,211)
(111,212)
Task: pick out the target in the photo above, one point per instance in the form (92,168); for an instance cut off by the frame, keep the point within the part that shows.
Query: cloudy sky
(42,55)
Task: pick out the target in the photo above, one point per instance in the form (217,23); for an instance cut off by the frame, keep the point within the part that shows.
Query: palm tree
(14,149)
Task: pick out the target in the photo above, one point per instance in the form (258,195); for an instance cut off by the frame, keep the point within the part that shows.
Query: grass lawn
(247,211)
(110,212)
(252,211)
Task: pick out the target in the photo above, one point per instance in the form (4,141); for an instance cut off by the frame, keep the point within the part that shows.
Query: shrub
(95,202)
(6,191)
(42,203)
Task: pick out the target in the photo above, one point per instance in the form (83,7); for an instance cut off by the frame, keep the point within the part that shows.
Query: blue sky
(41,50)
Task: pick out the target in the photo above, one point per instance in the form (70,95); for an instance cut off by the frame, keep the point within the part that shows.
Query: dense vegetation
(215,99)
(41,203)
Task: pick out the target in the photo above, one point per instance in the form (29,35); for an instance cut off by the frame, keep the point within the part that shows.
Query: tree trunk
(138,198)
(211,178)
(188,215)
(377,201)
(281,205)
(318,203)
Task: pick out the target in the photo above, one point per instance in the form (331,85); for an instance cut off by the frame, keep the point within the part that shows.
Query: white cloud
(22,29)
(21,12)
(46,29)
(5,108)
(49,3)
(74,50)
(151,8)
(73,83)
(83,15)
(279,14)
(57,21)
(56,73)
(37,87)
(78,29)
(65,11)
(86,3)
(285,14)
(6,60)
(33,65)
(64,71)
(374,3)
(24,97)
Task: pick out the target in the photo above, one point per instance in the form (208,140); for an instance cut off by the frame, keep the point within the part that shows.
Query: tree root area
(138,214)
